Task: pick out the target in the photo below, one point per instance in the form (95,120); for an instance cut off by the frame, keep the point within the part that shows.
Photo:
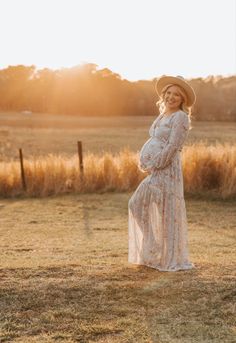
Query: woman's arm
(178,134)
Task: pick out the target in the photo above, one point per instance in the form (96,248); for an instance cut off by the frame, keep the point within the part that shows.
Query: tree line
(87,90)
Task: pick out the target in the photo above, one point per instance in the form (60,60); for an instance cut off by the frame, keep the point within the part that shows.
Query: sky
(138,39)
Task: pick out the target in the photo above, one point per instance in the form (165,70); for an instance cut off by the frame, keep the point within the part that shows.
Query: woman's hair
(160,103)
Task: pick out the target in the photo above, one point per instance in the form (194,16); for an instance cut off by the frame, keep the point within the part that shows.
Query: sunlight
(131,38)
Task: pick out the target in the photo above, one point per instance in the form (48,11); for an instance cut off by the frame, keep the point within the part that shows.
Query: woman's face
(172,98)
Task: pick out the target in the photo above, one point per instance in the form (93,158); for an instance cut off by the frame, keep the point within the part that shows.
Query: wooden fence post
(22,170)
(80,153)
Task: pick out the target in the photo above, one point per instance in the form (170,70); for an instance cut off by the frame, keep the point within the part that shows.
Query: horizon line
(38,67)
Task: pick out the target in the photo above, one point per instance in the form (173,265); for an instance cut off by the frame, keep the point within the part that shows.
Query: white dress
(157,214)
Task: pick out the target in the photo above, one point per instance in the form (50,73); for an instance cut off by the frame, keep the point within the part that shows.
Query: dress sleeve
(178,134)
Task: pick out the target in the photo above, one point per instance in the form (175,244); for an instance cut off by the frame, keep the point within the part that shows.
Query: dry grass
(210,169)
(57,175)
(207,169)
(64,275)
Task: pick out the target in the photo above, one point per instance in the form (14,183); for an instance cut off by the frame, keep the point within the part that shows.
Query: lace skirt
(157,224)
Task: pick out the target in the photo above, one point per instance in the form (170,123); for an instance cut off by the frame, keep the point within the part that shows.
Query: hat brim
(167,80)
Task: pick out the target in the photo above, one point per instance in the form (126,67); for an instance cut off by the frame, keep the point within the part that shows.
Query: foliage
(86,90)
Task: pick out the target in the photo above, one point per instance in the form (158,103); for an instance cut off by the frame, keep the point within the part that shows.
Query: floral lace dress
(157,213)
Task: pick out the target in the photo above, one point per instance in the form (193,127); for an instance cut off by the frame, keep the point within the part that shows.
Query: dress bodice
(161,127)
(167,134)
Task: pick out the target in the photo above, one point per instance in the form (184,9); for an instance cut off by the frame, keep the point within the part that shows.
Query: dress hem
(187,267)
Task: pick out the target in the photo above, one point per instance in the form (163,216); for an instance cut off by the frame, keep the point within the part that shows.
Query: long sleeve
(178,134)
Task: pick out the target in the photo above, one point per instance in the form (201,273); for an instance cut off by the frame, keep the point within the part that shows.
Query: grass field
(41,134)
(49,145)
(64,275)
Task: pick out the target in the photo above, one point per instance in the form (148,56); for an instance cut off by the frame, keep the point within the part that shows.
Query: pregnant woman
(157,213)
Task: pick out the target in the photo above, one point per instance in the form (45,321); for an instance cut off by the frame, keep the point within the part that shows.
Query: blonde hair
(160,103)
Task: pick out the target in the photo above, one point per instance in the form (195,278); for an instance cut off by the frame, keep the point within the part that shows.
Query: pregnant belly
(149,150)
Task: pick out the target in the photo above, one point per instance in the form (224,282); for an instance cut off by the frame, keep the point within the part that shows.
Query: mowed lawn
(41,134)
(64,275)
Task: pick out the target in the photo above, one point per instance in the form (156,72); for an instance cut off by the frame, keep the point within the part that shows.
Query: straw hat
(179,81)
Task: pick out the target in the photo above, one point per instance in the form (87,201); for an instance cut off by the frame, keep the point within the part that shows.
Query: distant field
(41,134)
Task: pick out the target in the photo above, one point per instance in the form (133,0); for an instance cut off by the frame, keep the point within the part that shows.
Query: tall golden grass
(210,169)
(206,169)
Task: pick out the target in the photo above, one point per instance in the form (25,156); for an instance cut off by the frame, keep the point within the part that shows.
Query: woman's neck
(169,112)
